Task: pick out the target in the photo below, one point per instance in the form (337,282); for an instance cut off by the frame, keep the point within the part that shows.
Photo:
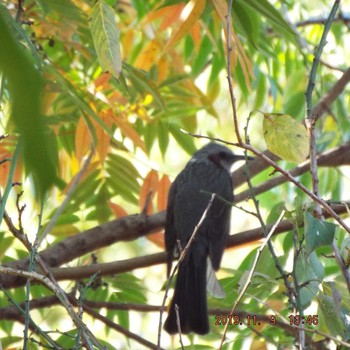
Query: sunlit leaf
(148,191)
(169,15)
(264,8)
(286,137)
(189,15)
(83,139)
(162,194)
(105,34)
(148,56)
(143,84)
(127,130)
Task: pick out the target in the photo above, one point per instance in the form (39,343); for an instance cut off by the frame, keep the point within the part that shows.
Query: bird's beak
(242,157)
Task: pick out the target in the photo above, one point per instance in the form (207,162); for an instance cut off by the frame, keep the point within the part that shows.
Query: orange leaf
(170,15)
(162,194)
(103,139)
(127,130)
(126,39)
(196,36)
(157,238)
(163,68)
(148,55)
(118,211)
(148,190)
(189,16)
(83,139)
(102,81)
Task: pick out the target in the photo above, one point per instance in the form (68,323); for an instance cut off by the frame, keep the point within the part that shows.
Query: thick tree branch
(103,269)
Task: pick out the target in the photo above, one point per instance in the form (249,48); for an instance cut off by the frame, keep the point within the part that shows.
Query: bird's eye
(222,154)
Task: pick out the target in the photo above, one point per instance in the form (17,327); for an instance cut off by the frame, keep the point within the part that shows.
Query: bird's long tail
(191,298)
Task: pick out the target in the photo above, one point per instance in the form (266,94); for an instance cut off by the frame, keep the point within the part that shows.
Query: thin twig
(66,201)
(285,173)
(250,275)
(34,326)
(120,329)
(310,118)
(8,187)
(229,72)
(58,292)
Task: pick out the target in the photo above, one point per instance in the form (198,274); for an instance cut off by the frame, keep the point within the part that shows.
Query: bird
(207,172)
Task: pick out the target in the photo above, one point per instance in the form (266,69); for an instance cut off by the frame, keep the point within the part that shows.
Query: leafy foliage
(98,103)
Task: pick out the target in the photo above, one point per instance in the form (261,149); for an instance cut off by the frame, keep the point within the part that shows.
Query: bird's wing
(213,285)
(170,235)
(220,218)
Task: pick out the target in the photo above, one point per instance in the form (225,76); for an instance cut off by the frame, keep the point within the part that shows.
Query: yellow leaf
(189,16)
(286,137)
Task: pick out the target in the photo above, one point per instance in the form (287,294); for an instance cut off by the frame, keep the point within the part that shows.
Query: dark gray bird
(207,172)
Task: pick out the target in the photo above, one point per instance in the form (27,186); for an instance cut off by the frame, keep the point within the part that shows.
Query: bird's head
(219,155)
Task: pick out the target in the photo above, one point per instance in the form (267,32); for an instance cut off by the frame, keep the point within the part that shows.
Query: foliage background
(94,98)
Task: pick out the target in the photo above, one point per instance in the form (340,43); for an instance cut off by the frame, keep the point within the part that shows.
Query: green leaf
(142,84)
(63,9)
(331,315)
(317,233)
(105,34)
(25,86)
(128,288)
(285,137)
(202,57)
(274,17)
(345,251)
(293,99)
(184,140)
(163,137)
(248,21)
(101,210)
(122,179)
(309,272)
